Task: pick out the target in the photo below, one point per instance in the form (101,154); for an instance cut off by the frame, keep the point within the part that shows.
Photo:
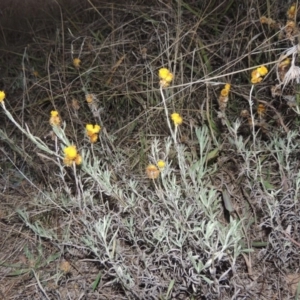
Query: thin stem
(173,134)
(252,116)
(37,141)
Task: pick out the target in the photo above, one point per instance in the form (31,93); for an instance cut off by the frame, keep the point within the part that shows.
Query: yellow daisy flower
(92,129)
(165,77)
(161,164)
(2,96)
(71,156)
(177,119)
(76,62)
(256,75)
(262,71)
(54,118)
(227,87)
(89,98)
(224,93)
(163,73)
(70,152)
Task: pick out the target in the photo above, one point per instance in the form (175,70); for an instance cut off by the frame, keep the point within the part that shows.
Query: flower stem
(252,116)
(173,134)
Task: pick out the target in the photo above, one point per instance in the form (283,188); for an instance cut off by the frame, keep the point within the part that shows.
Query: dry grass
(222,221)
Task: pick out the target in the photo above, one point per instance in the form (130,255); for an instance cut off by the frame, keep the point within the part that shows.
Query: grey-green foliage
(171,225)
(271,177)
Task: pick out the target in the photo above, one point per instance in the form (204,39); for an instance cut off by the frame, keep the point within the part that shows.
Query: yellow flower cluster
(92,132)
(290,27)
(54,118)
(152,171)
(165,77)
(2,96)
(176,118)
(76,62)
(71,156)
(223,98)
(225,90)
(257,74)
(268,21)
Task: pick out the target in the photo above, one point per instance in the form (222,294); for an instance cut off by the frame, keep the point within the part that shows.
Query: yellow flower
(161,164)
(54,113)
(70,152)
(163,73)
(256,75)
(76,62)
(2,96)
(71,156)
(269,21)
(54,118)
(224,93)
(92,132)
(177,119)
(165,77)
(67,161)
(223,98)
(93,138)
(89,128)
(152,171)
(262,71)
(227,87)
(78,159)
(169,77)
(89,98)
(256,80)
(284,63)
(291,12)
(92,129)
(97,128)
